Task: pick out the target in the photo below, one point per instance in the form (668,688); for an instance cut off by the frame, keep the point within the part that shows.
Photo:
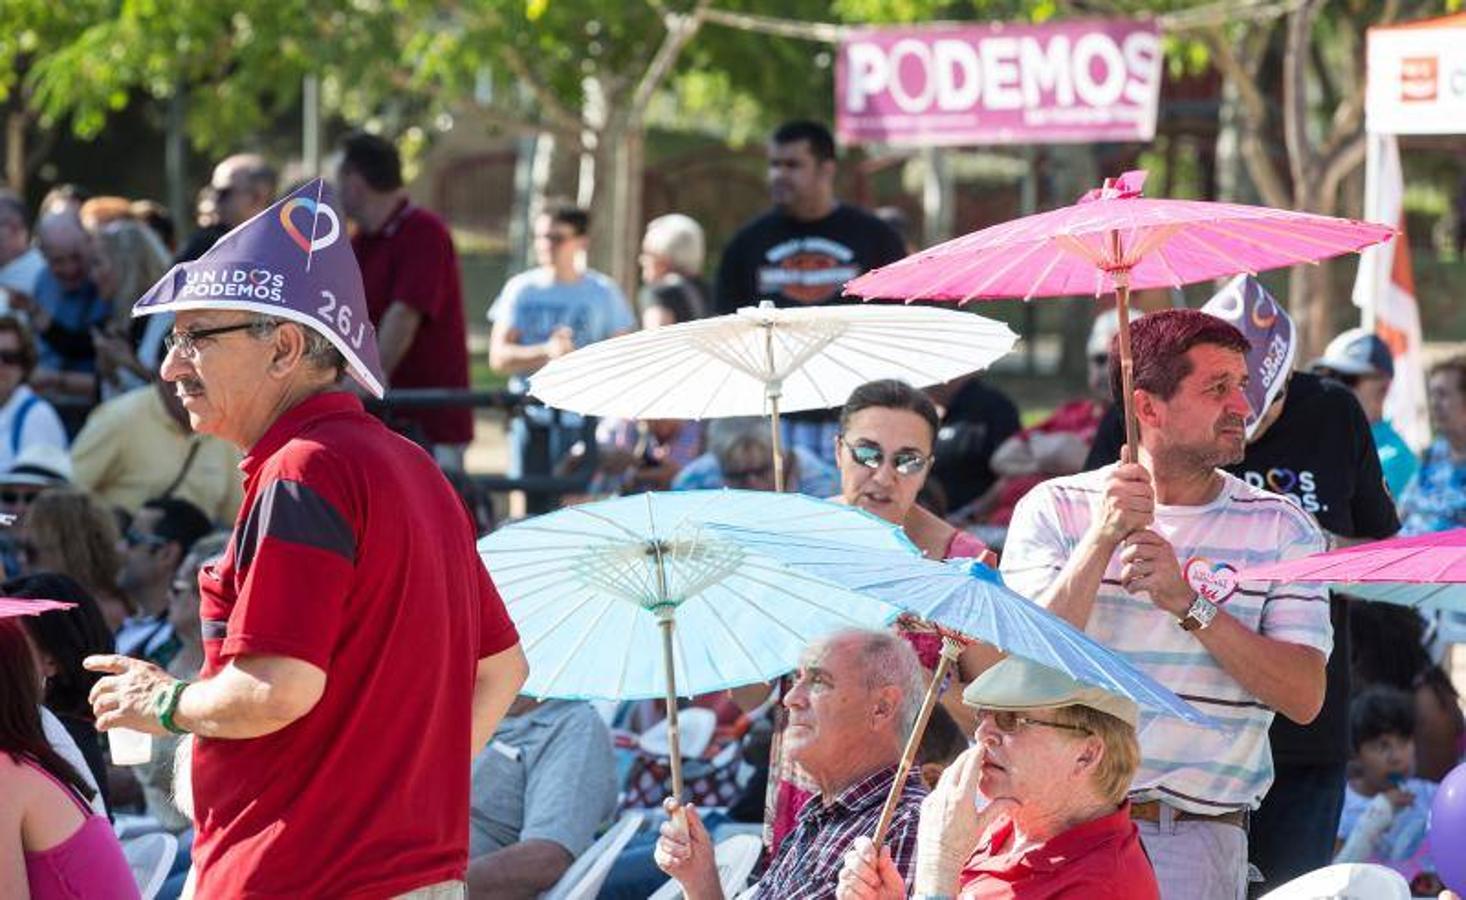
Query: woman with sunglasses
(52,845)
(1036,809)
(884,453)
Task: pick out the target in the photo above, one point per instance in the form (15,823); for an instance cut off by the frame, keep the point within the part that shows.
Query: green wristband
(167,704)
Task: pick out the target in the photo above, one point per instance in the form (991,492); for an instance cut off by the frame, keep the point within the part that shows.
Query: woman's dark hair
(1388,649)
(890,393)
(1378,711)
(21,732)
(67,635)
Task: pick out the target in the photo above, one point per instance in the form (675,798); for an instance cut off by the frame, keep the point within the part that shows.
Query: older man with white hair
(352,667)
(851,706)
(672,254)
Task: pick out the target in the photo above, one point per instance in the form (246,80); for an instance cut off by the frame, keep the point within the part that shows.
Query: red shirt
(352,553)
(411,260)
(1101,859)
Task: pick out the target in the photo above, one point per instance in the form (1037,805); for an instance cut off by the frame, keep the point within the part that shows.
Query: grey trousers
(1196,860)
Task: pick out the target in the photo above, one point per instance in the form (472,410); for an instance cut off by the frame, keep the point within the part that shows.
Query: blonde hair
(80,533)
(1121,758)
(137,256)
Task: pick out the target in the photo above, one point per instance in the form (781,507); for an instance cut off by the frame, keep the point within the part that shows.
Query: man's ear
(887,702)
(287,349)
(1148,407)
(1091,753)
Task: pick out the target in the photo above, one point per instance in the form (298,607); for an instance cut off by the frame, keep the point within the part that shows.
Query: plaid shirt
(808,863)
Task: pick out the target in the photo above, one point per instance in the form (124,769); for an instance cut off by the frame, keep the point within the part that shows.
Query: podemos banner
(1068,82)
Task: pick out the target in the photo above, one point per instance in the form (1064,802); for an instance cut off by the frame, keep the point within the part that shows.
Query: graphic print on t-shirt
(806,270)
(1301,485)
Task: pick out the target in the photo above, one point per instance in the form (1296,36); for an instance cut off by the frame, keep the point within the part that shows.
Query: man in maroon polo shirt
(352,666)
(413,291)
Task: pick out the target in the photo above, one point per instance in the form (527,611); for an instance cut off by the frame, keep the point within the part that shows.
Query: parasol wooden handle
(1127,368)
(950,649)
(674,736)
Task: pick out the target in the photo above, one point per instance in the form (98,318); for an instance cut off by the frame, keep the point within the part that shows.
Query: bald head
(65,245)
(244,185)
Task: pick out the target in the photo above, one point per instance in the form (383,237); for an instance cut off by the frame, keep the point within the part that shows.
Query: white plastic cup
(129,748)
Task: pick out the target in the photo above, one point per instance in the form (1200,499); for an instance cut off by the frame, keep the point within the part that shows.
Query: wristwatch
(1200,614)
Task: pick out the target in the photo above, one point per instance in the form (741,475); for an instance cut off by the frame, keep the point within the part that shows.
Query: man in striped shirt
(853,702)
(1144,556)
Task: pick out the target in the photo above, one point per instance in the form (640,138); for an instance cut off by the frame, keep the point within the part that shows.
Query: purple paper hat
(294,261)
(1245,303)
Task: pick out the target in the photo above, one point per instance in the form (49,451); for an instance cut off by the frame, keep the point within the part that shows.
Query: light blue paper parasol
(956,597)
(637,597)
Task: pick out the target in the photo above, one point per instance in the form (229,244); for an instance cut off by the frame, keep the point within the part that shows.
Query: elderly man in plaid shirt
(853,702)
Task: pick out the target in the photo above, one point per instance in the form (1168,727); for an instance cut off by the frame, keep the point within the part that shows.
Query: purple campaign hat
(1245,303)
(294,261)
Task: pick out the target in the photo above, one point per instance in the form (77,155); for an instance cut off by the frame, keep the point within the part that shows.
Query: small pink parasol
(1114,239)
(1427,570)
(20,606)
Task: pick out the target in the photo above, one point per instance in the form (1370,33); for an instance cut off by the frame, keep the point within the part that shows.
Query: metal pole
(310,124)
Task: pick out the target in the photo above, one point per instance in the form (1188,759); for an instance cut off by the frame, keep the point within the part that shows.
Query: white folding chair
(735,857)
(1344,880)
(584,877)
(150,856)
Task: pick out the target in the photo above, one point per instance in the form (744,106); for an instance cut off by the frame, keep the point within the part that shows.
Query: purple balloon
(1448,829)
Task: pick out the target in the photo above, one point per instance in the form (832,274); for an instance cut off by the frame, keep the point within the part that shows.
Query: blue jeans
(1293,831)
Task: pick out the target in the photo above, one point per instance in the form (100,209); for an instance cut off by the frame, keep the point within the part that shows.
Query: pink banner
(1067,82)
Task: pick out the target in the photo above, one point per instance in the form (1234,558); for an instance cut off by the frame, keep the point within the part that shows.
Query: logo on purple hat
(1245,303)
(288,261)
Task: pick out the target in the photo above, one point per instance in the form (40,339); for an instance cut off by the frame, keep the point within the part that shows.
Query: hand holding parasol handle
(950,650)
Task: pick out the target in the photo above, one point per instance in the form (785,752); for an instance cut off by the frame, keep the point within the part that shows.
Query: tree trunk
(16,123)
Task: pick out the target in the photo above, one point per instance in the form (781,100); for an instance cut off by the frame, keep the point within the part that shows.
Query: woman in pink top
(51,844)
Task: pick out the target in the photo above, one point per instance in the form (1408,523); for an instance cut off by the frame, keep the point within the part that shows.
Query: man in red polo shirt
(352,666)
(413,291)
(1052,765)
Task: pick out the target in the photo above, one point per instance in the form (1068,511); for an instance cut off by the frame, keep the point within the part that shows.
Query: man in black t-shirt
(1313,443)
(803,250)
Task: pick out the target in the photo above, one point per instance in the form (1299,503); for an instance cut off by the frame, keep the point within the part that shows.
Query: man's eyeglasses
(185,343)
(905,462)
(556,238)
(1009,722)
(12,357)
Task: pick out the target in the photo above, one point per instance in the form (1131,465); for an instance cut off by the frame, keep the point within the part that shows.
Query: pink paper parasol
(1425,570)
(1114,239)
(20,606)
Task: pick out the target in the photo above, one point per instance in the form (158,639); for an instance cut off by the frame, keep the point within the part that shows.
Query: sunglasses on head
(905,462)
(1009,722)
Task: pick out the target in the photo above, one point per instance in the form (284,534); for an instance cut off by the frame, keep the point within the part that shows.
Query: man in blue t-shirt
(543,314)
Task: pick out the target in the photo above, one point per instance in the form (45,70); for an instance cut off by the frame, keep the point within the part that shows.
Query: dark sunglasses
(12,357)
(905,462)
(1009,722)
(1100,359)
(557,238)
(743,476)
(17,498)
(136,538)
